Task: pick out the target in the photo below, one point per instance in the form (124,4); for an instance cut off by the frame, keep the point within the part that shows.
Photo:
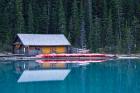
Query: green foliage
(109,39)
(19,15)
(30,18)
(94,36)
(61,18)
(108,25)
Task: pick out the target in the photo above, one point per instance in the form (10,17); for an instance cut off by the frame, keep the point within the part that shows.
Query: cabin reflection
(54,65)
(31,71)
(42,64)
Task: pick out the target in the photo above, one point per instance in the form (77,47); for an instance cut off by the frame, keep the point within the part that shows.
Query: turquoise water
(116,76)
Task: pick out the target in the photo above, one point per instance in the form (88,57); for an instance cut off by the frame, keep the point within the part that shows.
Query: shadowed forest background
(111,26)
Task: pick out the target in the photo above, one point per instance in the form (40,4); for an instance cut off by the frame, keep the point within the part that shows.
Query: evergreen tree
(90,19)
(44,19)
(82,27)
(75,24)
(94,36)
(70,33)
(19,14)
(36,15)
(118,4)
(135,23)
(30,18)
(53,17)
(104,24)
(90,24)
(129,38)
(109,33)
(61,18)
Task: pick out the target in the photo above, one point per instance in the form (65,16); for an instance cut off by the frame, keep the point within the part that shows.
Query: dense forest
(110,26)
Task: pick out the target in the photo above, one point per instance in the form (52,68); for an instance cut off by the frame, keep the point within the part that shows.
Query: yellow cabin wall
(57,49)
(46,50)
(53,65)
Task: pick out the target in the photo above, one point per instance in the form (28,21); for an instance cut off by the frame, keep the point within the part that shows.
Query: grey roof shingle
(43,39)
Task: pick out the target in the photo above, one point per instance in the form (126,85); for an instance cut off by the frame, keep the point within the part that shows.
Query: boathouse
(33,44)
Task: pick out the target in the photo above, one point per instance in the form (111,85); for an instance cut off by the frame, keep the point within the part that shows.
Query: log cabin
(33,44)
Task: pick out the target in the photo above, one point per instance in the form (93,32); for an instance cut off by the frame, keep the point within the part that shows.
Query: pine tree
(19,14)
(75,24)
(61,18)
(135,22)
(53,17)
(6,25)
(82,27)
(85,22)
(129,38)
(109,33)
(104,24)
(89,22)
(44,19)
(118,29)
(30,18)
(70,33)
(94,36)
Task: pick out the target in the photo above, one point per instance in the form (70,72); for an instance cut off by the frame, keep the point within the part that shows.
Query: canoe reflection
(71,61)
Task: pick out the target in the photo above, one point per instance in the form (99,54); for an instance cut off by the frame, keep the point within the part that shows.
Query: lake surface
(114,76)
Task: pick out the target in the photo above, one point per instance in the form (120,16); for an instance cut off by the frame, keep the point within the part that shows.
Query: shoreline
(11,54)
(14,57)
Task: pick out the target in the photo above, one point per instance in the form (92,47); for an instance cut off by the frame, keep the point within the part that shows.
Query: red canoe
(74,55)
